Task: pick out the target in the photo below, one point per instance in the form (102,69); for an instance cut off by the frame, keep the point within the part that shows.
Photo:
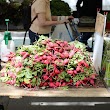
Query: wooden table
(15,92)
(31,100)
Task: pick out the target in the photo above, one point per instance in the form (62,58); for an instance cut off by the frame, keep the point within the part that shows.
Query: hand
(65,21)
(70,18)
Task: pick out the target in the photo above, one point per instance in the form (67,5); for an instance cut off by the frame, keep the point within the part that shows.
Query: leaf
(64,88)
(27,81)
(17,83)
(67,79)
(38,81)
(33,81)
(64,75)
(19,79)
(26,72)
(28,76)
(34,73)
(78,77)
(4,79)
(20,75)
(49,67)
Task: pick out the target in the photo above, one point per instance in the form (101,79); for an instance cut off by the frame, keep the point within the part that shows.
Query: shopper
(44,21)
(88,8)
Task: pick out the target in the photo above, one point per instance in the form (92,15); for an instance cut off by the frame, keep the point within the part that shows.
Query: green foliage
(13,10)
(60,8)
(10,11)
(3,6)
(2,1)
(108,16)
(26,2)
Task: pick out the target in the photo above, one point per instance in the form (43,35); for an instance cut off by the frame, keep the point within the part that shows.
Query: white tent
(105,4)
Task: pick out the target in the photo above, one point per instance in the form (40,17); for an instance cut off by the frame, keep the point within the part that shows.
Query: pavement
(57,103)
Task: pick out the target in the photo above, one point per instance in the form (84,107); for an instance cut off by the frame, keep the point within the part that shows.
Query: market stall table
(15,92)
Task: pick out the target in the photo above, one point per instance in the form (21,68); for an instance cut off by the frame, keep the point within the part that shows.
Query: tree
(11,11)
(60,8)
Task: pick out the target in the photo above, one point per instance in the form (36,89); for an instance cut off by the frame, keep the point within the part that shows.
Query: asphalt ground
(57,103)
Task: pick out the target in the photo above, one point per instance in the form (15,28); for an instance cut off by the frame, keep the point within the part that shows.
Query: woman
(44,21)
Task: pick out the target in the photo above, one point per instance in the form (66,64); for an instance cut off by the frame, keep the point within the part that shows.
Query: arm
(57,18)
(41,12)
(43,22)
(54,18)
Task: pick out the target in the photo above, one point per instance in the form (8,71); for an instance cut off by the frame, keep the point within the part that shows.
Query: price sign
(98,43)
(100,24)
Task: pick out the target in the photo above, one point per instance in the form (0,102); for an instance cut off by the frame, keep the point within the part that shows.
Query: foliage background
(13,10)
(60,8)
(108,17)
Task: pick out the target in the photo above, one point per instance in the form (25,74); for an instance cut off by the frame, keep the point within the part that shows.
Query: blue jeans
(34,37)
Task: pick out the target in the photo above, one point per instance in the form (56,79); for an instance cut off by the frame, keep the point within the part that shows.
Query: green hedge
(13,10)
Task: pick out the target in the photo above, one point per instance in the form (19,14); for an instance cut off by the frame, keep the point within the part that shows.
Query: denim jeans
(34,37)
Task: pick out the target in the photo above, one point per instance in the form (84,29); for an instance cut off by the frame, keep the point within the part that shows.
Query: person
(43,23)
(88,8)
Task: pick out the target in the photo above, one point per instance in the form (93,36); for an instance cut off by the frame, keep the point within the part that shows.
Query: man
(88,8)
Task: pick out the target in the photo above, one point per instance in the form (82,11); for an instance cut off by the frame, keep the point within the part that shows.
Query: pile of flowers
(49,64)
